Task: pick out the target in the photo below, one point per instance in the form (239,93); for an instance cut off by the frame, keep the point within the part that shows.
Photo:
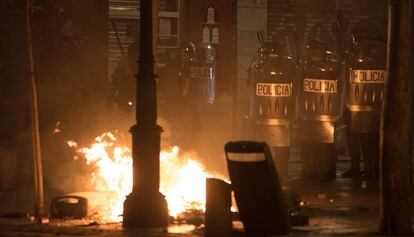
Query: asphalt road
(343,207)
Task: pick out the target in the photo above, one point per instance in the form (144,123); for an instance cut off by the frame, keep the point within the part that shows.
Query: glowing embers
(182,178)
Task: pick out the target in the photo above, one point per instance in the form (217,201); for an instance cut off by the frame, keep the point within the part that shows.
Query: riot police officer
(271,80)
(199,72)
(320,104)
(124,80)
(197,86)
(365,84)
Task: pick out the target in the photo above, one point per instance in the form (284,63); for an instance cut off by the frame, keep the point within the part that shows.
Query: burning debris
(92,206)
(182,177)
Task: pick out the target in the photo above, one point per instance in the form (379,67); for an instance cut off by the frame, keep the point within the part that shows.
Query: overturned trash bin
(93,205)
(69,206)
(257,190)
(218,217)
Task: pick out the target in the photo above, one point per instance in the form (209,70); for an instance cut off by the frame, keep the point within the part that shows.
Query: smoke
(201,138)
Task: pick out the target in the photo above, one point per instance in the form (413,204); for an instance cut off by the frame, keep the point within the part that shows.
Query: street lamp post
(145,206)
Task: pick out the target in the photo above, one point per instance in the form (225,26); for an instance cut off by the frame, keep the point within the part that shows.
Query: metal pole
(146,207)
(38,172)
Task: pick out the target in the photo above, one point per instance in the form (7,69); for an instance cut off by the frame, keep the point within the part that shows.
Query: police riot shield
(271,79)
(320,101)
(272,105)
(365,83)
(198,72)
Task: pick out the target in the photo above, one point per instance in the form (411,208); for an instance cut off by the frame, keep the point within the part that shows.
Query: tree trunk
(38,171)
(396,122)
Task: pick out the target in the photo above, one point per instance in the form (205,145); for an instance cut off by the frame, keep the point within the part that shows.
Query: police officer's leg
(327,162)
(353,142)
(370,150)
(280,158)
(375,155)
(366,153)
(332,160)
(277,138)
(309,155)
(304,156)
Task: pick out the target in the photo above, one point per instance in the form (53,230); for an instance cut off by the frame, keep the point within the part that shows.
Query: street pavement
(343,207)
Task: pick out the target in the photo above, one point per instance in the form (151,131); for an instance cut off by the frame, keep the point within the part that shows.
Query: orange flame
(182,178)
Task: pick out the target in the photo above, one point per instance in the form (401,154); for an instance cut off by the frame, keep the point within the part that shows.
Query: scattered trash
(322,196)
(364,184)
(43,221)
(15,215)
(93,223)
(299,220)
(293,199)
(191,217)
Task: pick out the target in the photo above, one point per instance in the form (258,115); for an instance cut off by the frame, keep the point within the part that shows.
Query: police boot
(355,170)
